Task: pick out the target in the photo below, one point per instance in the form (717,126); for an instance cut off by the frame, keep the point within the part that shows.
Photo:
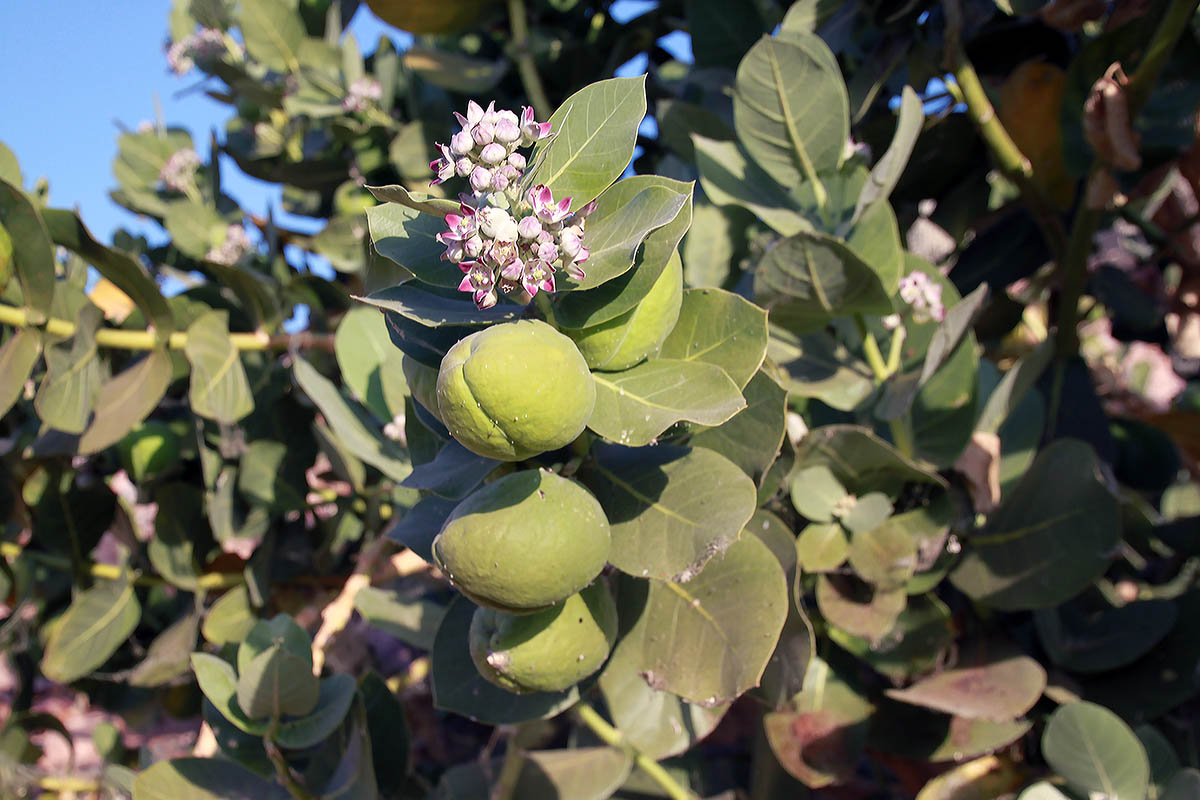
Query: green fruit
(627,339)
(149,450)
(512,391)
(422,384)
(429,16)
(6,257)
(548,651)
(524,542)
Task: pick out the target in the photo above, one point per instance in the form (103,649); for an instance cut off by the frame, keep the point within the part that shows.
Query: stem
(901,436)
(282,771)
(510,770)
(1172,26)
(150,339)
(542,301)
(614,738)
(871,350)
(209,581)
(525,62)
(896,350)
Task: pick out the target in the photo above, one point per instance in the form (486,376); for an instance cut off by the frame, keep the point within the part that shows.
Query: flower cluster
(361,93)
(497,250)
(924,295)
(484,151)
(205,45)
(179,173)
(236,245)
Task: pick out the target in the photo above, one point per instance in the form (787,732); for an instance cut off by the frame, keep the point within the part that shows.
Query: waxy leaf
(458,686)
(1096,752)
(593,134)
(915,644)
(1050,538)
(127,399)
(753,437)
(890,166)
(816,492)
(634,406)
(671,509)
(415,200)
(203,779)
(999,691)
(884,554)
(915,732)
(273,33)
(579,773)
(730,178)
(230,618)
(453,473)
(1095,637)
(98,621)
(861,461)
(370,364)
(68,392)
(168,655)
(33,251)
(790,109)
(414,622)
(438,308)
(821,547)
(219,388)
(721,328)
(17,358)
(708,640)
(818,366)
(406,236)
(858,607)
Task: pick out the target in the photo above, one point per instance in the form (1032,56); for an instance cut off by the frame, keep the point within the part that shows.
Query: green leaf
(671,509)
(818,366)
(230,618)
(415,200)
(711,249)
(171,551)
(459,688)
(353,426)
(708,639)
(454,71)
(219,389)
(626,213)
(406,236)
(721,328)
(820,741)
(414,622)
(68,392)
(634,406)
(593,135)
(816,492)
(370,364)
(341,242)
(580,773)
(885,554)
(890,166)
(1096,752)
(10,169)
(98,621)
(916,644)
(276,682)
(861,461)
(753,437)
(17,359)
(272,32)
(438,308)
(218,682)
(337,692)
(1164,761)
(998,691)
(1051,537)
(125,400)
(453,473)
(866,512)
(729,178)
(857,607)
(915,732)
(168,655)
(195,227)
(390,736)
(810,279)
(821,547)
(1184,786)
(125,272)
(1089,635)
(1013,388)
(790,110)
(281,630)
(203,779)
(33,251)
(267,477)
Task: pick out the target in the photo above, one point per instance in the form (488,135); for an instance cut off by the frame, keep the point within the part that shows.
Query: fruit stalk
(614,738)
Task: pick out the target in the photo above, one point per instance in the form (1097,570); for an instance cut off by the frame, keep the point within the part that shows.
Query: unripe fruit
(429,16)
(627,339)
(524,542)
(148,450)
(548,651)
(512,391)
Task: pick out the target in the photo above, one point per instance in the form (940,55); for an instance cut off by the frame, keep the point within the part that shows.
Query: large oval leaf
(999,691)
(219,388)
(671,508)
(406,236)
(203,779)
(97,622)
(127,399)
(721,328)
(1096,752)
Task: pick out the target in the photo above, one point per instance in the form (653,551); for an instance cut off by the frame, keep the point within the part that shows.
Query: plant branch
(526,65)
(614,738)
(901,437)
(510,771)
(213,581)
(282,771)
(150,339)
(337,614)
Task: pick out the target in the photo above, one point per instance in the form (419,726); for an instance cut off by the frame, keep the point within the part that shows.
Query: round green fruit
(628,338)
(549,651)
(512,391)
(524,542)
(149,450)
(429,16)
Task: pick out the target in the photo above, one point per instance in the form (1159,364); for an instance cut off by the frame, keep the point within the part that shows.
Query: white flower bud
(493,153)
(517,161)
(481,179)
(473,247)
(463,167)
(484,133)
(529,227)
(461,143)
(493,222)
(571,241)
(508,132)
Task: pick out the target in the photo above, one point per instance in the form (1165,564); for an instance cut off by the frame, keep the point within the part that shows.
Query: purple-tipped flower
(493,153)
(179,173)
(548,252)
(444,167)
(481,179)
(499,181)
(513,271)
(529,227)
(571,242)
(924,295)
(480,281)
(538,275)
(474,114)
(361,93)
(473,247)
(236,245)
(502,252)
(517,162)
(531,130)
(542,200)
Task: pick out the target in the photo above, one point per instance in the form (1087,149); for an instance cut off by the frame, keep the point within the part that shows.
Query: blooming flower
(480,281)
(236,245)
(542,200)
(204,46)
(361,93)
(924,295)
(179,173)
(531,130)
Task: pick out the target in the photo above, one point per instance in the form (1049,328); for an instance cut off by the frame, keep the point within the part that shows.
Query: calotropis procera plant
(762,425)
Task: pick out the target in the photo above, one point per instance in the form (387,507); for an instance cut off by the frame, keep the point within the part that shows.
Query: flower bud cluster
(502,251)
(361,93)
(235,247)
(924,295)
(204,46)
(485,150)
(179,173)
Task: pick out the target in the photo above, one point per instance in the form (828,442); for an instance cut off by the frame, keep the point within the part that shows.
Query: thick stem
(901,436)
(210,581)
(1172,26)
(871,350)
(614,738)
(282,771)
(150,340)
(544,305)
(525,61)
(510,770)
